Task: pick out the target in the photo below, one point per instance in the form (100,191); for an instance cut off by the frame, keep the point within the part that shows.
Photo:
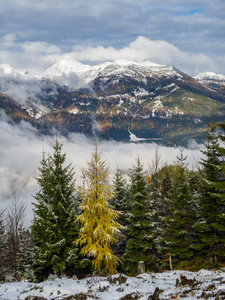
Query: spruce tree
(25,255)
(159,190)
(99,229)
(220,190)
(53,226)
(140,245)
(120,202)
(209,207)
(180,223)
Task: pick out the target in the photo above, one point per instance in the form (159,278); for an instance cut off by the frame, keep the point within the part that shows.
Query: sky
(186,34)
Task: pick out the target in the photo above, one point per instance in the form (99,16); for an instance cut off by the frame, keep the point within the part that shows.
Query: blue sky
(186,34)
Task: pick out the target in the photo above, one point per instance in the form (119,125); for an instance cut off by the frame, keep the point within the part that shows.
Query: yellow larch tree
(99,228)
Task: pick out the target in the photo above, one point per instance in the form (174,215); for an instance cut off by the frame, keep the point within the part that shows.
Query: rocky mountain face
(121,100)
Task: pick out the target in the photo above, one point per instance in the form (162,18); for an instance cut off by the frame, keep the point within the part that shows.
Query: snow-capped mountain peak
(66,65)
(118,68)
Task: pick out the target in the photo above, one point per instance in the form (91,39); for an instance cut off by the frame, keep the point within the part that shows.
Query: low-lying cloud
(21,86)
(21,148)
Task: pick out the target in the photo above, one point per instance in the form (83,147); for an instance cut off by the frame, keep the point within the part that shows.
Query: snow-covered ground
(172,285)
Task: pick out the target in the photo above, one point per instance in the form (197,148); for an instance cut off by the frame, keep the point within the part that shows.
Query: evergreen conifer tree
(99,229)
(220,190)
(159,190)
(180,222)
(53,226)
(25,255)
(209,206)
(140,245)
(120,202)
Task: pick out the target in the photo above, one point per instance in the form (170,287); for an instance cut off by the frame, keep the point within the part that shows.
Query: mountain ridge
(151,101)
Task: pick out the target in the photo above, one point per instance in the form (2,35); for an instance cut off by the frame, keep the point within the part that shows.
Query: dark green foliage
(53,226)
(140,246)
(183,209)
(121,203)
(25,255)
(220,190)
(159,189)
(208,226)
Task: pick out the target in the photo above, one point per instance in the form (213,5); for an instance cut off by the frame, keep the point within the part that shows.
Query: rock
(155,296)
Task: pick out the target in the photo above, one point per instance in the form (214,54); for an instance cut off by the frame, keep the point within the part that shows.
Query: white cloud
(144,49)
(22,87)
(39,47)
(7,41)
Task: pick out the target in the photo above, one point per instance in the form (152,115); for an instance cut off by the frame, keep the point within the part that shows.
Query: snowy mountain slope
(213,81)
(210,76)
(67,71)
(119,68)
(171,284)
(124,68)
(66,65)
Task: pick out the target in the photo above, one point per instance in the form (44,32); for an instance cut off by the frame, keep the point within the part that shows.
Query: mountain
(215,82)
(210,77)
(121,100)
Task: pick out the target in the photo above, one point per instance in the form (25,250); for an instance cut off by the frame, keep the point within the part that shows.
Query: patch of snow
(74,111)
(207,76)
(132,99)
(178,111)
(36,112)
(120,103)
(197,285)
(84,104)
(140,92)
(197,121)
(135,139)
(156,106)
(170,85)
